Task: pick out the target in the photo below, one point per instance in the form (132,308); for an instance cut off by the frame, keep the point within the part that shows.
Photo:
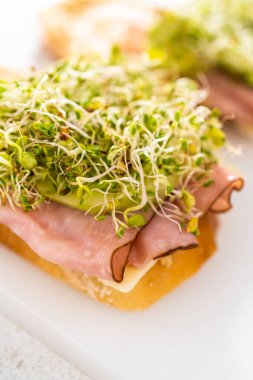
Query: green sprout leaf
(27,161)
(188,199)
(136,221)
(120,232)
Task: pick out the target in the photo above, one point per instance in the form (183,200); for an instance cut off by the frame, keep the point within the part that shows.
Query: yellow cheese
(132,276)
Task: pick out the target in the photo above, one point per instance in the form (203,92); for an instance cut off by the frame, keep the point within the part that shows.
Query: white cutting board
(202,330)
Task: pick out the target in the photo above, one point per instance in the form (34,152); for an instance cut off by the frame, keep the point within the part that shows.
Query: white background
(20,32)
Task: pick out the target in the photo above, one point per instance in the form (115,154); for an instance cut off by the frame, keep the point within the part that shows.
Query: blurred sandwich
(85,26)
(214,37)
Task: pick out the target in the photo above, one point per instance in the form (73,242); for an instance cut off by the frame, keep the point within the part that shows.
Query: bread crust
(157,282)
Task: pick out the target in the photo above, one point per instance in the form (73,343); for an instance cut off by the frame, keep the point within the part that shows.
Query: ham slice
(70,238)
(217,197)
(159,238)
(231,97)
(162,236)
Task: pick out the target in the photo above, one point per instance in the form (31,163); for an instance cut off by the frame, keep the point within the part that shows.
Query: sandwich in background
(213,37)
(84,26)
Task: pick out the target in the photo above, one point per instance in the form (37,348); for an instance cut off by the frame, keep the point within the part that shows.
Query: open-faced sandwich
(110,176)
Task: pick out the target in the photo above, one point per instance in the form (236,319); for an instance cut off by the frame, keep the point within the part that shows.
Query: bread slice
(85,26)
(164,276)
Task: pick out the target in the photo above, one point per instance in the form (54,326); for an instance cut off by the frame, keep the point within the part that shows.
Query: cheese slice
(132,276)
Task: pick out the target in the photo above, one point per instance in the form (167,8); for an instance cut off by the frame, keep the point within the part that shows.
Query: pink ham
(162,236)
(217,196)
(67,237)
(231,97)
